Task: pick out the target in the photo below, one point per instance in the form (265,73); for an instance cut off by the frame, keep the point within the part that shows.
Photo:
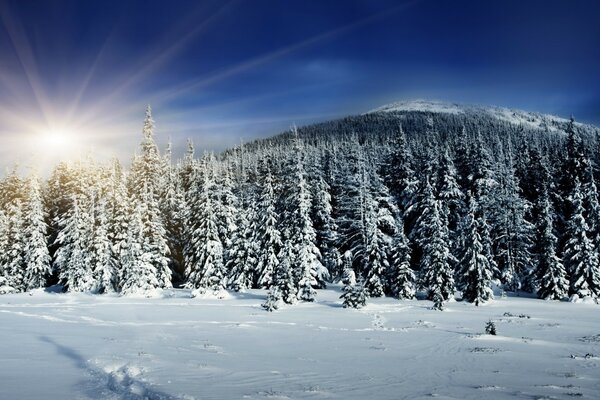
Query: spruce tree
(436,274)
(205,269)
(580,256)
(101,251)
(16,246)
(72,256)
(268,236)
(37,258)
(284,278)
(300,232)
(146,266)
(243,254)
(475,271)
(353,292)
(551,276)
(402,277)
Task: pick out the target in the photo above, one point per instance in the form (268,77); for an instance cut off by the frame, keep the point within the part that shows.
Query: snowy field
(63,346)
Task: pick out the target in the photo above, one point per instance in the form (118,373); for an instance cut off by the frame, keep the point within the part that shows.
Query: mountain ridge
(514,116)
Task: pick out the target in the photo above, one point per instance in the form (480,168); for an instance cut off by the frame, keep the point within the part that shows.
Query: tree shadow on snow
(248,295)
(117,384)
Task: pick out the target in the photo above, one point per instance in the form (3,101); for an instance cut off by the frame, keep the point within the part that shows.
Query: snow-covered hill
(80,346)
(518,117)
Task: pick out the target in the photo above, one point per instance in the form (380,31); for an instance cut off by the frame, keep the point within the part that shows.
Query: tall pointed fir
(325,226)
(580,256)
(146,266)
(268,235)
(550,273)
(147,167)
(101,250)
(300,231)
(117,210)
(37,258)
(398,173)
(376,260)
(205,269)
(449,192)
(15,266)
(284,279)
(512,233)
(366,220)
(72,256)
(172,207)
(224,206)
(353,292)
(475,271)
(436,274)
(242,256)
(4,257)
(402,277)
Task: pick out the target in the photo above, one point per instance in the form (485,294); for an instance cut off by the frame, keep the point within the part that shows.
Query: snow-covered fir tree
(300,232)
(73,257)
(475,272)
(146,265)
(580,256)
(436,273)
(36,254)
(550,273)
(353,292)
(204,261)
(242,256)
(402,277)
(268,237)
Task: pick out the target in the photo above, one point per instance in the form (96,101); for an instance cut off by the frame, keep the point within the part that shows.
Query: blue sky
(221,71)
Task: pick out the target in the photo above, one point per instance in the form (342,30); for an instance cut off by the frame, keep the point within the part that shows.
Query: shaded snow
(176,347)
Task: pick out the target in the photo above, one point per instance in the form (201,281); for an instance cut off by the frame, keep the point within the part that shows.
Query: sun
(57,138)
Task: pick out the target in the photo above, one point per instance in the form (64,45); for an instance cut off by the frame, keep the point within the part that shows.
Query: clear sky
(219,71)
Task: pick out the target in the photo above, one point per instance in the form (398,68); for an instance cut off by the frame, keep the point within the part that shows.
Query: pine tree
(448,190)
(512,233)
(72,256)
(117,215)
(101,250)
(402,278)
(268,235)
(579,254)
(146,169)
(16,246)
(306,262)
(172,206)
(224,203)
(284,279)
(398,174)
(353,292)
(273,299)
(4,243)
(37,258)
(325,226)
(436,275)
(146,266)
(551,277)
(243,254)
(205,269)
(475,269)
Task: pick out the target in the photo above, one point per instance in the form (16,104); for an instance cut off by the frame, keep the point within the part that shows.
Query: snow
(422,105)
(516,117)
(84,346)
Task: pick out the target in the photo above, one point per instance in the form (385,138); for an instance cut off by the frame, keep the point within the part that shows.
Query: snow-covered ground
(63,346)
